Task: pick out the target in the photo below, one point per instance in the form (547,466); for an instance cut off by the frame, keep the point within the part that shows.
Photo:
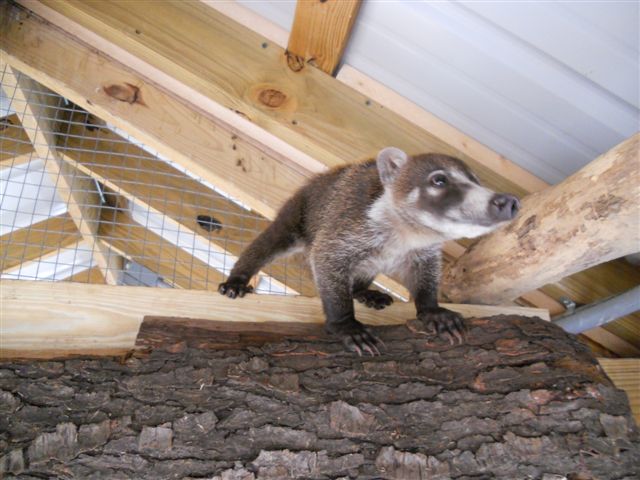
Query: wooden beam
(152,251)
(37,316)
(625,373)
(34,241)
(155,185)
(589,218)
(38,112)
(320,33)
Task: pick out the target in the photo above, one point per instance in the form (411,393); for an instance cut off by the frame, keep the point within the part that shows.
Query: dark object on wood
(520,399)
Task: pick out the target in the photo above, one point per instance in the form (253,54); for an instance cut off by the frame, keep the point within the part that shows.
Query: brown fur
(381,215)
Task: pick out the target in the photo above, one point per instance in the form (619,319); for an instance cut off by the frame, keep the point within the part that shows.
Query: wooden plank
(37,316)
(163,189)
(625,373)
(326,120)
(589,218)
(38,112)
(36,240)
(320,33)
(150,250)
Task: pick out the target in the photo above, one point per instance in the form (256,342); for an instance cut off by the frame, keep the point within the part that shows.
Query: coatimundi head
(441,193)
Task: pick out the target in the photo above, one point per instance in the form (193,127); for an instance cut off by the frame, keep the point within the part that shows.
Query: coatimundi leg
(421,278)
(279,237)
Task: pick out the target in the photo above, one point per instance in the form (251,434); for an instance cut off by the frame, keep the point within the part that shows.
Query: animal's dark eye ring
(439,180)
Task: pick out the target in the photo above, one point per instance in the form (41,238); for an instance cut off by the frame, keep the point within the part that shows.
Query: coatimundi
(389,215)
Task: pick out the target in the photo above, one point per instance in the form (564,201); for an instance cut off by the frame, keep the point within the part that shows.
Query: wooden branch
(38,113)
(172,263)
(165,190)
(36,240)
(589,218)
(625,373)
(320,33)
(41,318)
(522,400)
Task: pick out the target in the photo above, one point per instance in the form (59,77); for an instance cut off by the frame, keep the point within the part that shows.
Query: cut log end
(520,399)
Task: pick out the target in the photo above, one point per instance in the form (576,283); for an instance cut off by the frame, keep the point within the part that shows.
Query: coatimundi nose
(504,207)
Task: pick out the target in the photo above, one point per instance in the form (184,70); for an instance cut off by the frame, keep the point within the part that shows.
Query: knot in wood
(272,98)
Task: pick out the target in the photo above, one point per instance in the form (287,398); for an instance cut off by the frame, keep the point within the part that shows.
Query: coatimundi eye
(439,180)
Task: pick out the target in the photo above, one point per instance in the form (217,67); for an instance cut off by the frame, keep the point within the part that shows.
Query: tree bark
(519,399)
(589,218)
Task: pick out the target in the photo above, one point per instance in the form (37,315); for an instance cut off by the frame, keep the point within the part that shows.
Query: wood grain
(589,218)
(625,373)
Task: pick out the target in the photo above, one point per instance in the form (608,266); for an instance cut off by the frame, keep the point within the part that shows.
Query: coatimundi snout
(390,215)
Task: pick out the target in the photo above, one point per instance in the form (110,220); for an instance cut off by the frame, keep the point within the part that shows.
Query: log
(589,218)
(520,399)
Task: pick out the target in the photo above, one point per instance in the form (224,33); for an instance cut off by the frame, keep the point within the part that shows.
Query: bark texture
(520,399)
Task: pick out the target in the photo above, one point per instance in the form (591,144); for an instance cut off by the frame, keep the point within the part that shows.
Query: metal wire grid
(131,216)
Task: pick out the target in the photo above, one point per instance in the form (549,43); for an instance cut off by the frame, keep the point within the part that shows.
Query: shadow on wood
(520,399)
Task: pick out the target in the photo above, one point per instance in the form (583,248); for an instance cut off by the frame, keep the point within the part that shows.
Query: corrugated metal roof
(550,85)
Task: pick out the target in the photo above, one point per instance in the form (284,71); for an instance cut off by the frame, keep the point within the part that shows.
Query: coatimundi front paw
(373,298)
(355,336)
(233,288)
(445,323)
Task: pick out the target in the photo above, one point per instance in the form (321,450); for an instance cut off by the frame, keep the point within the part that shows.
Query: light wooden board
(625,373)
(154,184)
(320,33)
(85,318)
(36,240)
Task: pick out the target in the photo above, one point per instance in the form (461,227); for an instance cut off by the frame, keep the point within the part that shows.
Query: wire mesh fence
(83,201)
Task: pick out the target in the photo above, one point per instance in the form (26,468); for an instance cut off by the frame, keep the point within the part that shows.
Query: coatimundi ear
(389,161)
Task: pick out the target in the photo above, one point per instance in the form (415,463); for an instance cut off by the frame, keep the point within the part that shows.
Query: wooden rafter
(163,189)
(36,316)
(320,33)
(90,275)
(34,241)
(37,113)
